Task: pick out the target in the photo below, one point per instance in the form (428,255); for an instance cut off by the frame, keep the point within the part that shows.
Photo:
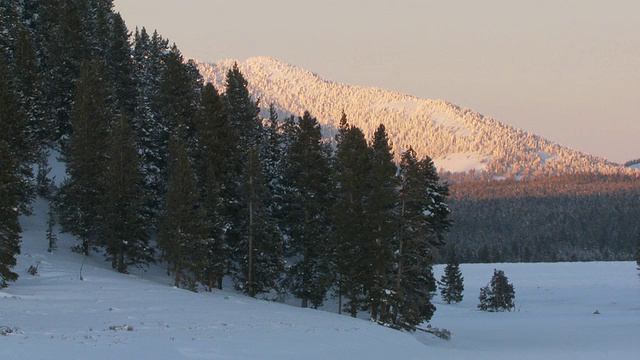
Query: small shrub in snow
(452,282)
(5,330)
(443,334)
(498,295)
(33,270)
(120,328)
(77,248)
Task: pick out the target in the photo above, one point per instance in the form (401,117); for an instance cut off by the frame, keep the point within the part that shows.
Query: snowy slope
(109,315)
(432,127)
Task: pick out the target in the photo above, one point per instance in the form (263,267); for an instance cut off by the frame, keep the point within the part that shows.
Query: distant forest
(582,217)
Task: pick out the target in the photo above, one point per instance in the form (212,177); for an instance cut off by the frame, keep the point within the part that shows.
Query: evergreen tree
(257,241)
(243,111)
(52,239)
(214,169)
(178,97)
(29,92)
(423,221)
(498,295)
(258,252)
(124,230)
(120,66)
(15,136)
(148,58)
(9,225)
(452,282)
(307,200)
(182,224)
(82,193)
(352,233)
(175,106)
(63,41)
(382,220)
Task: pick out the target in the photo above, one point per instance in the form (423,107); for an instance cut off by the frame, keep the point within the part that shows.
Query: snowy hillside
(109,315)
(458,139)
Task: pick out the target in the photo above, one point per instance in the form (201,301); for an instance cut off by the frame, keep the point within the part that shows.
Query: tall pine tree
(382,223)
(307,203)
(258,252)
(9,225)
(214,169)
(181,225)
(64,50)
(423,217)
(256,239)
(83,192)
(148,58)
(124,229)
(14,133)
(351,235)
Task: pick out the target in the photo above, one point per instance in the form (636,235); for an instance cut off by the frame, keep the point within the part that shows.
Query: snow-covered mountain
(458,139)
(633,164)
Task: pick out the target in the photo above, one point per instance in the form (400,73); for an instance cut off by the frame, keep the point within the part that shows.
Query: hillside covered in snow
(109,315)
(458,139)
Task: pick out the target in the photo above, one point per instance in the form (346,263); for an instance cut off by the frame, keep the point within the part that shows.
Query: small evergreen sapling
(498,295)
(50,234)
(451,283)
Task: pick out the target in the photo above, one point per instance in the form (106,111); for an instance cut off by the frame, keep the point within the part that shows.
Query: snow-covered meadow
(108,315)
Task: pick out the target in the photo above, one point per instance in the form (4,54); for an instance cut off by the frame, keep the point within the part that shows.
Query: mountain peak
(456,138)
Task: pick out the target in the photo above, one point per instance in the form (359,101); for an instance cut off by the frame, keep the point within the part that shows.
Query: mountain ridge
(456,138)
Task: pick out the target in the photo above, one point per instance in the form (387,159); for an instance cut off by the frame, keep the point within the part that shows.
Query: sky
(568,70)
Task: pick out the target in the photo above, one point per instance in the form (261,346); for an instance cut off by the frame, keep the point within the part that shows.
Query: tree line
(161,166)
(581,217)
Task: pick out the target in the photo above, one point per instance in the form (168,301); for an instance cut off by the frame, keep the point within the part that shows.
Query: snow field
(108,315)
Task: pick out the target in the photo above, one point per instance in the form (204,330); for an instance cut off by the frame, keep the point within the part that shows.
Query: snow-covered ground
(462,162)
(111,316)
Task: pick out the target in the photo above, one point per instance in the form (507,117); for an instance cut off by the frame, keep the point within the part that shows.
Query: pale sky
(568,70)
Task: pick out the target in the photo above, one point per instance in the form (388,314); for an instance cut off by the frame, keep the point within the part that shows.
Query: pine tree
(243,111)
(82,193)
(29,92)
(423,221)
(9,225)
(120,66)
(148,58)
(63,51)
(452,282)
(50,235)
(382,223)
(353,163)
(258,252)
(15,136)
(214,169)
(308,184)
(174,106)
(182,224)
(498,295)
(124,230)
(257,241)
